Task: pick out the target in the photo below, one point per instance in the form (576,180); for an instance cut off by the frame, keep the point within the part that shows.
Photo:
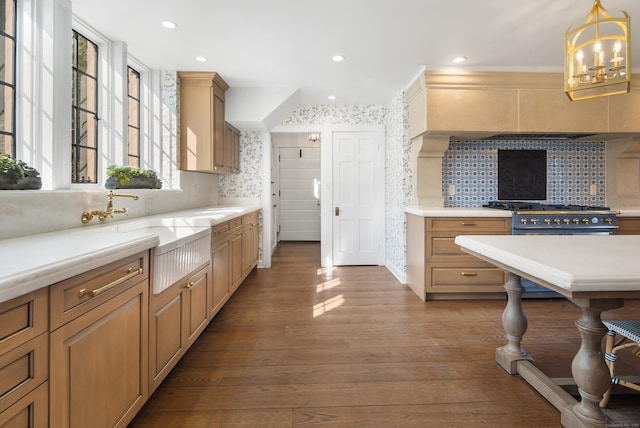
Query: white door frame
(326,181)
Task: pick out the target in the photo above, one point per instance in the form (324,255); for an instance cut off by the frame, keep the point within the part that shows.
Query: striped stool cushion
(627,328)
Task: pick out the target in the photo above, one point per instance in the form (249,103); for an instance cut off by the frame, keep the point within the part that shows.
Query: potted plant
(17,175)
(129,177)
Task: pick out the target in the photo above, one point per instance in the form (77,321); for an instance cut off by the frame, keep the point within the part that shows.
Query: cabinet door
(167,342)
(99,363)
(220,275)
(218,131)
(236,257)
(195,291)
(196,132)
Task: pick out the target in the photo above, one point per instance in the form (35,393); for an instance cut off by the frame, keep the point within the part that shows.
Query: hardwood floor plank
(302,346)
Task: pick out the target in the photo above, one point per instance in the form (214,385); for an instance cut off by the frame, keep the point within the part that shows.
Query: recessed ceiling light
(459,59)
(201,59)
(332,97)
(169,24)
(338,58)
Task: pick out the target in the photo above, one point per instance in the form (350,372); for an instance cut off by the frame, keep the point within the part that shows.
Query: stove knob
(534,220)
(565,220)
(523,220)
(556,221)
(575,220)
(607,220)
(585,220)
(547,221)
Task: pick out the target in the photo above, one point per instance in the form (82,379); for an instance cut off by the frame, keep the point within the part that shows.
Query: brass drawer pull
(468,223)
(468,273)
(188,285)
(94,293)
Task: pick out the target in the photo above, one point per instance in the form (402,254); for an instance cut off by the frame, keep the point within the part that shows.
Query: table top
(573,263)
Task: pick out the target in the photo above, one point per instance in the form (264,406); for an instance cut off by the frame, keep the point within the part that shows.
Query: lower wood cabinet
(178,315)
(250,236)
(438,269)
(99,345)
(24,361)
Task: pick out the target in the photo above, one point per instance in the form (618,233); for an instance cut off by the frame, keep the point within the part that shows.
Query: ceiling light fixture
(169,24)
(338,58)
(201,59)
(597,55)
(314,137)
(332,97)
(459,59)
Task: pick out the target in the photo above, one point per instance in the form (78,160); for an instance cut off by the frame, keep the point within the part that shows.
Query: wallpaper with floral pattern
(248,183)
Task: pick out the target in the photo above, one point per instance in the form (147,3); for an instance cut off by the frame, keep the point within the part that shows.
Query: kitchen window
(84,121)
(133,152)
(8,77)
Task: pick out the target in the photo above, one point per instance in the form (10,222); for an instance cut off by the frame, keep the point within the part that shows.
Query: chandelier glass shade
(597,55)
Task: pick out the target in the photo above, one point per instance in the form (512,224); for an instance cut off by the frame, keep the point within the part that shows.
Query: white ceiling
(289,43)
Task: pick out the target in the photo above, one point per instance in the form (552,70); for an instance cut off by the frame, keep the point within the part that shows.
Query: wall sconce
(314,137)
(605,37)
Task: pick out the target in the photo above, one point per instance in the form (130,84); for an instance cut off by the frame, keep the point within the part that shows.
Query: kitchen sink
(182,250)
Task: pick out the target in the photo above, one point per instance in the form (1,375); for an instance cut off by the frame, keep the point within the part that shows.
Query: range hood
(500,106)
(446,106)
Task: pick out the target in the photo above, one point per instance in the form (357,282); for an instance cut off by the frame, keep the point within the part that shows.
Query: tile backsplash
(575,170)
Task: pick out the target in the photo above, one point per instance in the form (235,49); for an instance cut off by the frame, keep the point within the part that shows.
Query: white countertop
(36,261)
(576,263)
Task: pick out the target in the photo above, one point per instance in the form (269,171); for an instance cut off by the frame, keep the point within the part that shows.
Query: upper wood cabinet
(231,148)
(202,122)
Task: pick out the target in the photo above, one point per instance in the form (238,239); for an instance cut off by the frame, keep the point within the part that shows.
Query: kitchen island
(596,273)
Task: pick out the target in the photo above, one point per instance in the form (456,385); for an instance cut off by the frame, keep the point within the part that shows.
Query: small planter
(133,183)
(17,175)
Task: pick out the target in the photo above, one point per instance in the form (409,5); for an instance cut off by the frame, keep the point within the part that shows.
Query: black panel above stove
(522,174)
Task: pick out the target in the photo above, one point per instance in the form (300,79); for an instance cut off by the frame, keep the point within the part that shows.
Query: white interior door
(299,174)
(358,198)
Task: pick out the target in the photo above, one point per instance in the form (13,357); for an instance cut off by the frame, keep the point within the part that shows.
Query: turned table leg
(514,321)
(588,367)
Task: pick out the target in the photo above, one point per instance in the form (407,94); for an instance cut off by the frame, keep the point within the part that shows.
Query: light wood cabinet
(438,269)
(232,148)
(222,261)
(99,345)
(202,124)
(24,360)
(250,237)
(628,226)
(177,317)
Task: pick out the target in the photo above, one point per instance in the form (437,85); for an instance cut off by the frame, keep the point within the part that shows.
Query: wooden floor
(297,346)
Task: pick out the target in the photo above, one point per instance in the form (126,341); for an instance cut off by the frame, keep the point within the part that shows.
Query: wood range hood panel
(479,105)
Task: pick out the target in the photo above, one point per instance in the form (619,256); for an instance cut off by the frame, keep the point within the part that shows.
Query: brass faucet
(109,212)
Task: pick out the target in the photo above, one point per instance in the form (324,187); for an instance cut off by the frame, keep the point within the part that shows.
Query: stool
(629,332)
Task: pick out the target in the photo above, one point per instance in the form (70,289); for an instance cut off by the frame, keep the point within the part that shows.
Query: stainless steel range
(532,218)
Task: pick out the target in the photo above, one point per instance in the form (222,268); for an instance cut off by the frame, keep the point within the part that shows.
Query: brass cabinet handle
(188,285)
(94,293)
(468,223)
(468,273)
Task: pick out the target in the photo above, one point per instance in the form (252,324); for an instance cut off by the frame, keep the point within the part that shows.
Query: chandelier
(597,55)
(314,137)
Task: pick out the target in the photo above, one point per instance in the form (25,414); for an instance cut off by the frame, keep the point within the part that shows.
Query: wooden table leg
(588,367)
(514,321)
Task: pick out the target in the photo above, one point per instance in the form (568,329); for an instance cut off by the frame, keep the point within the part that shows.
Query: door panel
(358,197)
(299,175)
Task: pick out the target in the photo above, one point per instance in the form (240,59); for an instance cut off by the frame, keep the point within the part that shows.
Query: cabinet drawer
(471,225)
(31,411)
(23,318)
(78,295)
(448,277)
(22,369)
(250,219)
(441,246)
(220,231)
(628,226)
